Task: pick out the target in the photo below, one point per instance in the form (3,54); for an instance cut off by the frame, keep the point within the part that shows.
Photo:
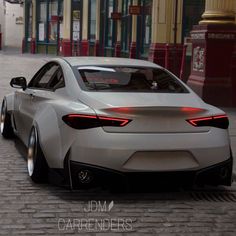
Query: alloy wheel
(3,116)
(32,149)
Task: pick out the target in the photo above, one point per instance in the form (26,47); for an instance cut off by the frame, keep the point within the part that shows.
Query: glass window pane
(42,20)
(129,79)
(92,20)
(53,20)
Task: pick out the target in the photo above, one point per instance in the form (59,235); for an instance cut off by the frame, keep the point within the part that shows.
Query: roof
(109,61)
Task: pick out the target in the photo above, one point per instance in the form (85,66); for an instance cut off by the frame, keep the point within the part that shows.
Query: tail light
(78,121)
(220,121)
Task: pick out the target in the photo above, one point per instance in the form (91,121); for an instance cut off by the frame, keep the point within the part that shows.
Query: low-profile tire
(5,123)
(36,163)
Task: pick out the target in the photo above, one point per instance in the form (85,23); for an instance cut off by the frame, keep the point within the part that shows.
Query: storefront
(126,28)
(43,28)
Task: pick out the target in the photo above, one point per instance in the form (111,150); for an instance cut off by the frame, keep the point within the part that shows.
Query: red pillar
(132,50)
(33,46)
(212,53)
(84,48)
(66,50)
(153,53)
(233,74)
(167,55)
(117,49)
(96,48)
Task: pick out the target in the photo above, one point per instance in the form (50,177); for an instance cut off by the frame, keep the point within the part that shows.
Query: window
(129,79)
(44,76)
(42,21)
(76,20)
(57,81)
(146,27)
(126,26)
(53,20)
(109,23)
(92,14)
(49,23)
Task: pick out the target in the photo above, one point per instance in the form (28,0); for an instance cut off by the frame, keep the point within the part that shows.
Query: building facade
(127,28)
(11,24)
(156,30)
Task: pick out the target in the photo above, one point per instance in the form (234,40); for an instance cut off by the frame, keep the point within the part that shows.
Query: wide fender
(10,102)
(49,136)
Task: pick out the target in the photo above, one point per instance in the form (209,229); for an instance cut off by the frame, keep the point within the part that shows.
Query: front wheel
(37,165)
(5,122)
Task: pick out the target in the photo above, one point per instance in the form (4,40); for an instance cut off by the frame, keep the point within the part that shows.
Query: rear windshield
(127,79)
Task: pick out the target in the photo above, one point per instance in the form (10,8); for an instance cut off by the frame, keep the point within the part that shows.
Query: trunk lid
(149,112)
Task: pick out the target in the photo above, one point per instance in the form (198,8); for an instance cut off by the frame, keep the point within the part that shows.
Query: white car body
(157,140)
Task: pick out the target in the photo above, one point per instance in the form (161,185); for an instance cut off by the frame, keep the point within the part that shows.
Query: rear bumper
(218,174)
(164,152)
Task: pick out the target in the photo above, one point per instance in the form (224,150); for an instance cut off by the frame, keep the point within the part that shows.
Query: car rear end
(149,130)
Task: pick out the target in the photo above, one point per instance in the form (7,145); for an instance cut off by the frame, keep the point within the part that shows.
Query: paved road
(30,209)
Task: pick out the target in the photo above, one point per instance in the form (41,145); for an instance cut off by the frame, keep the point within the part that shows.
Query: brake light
(191,109)
(220,121)
(79,121)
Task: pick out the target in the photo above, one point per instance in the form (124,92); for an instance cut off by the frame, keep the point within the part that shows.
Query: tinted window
(57,81)
(44,77)
(129,79)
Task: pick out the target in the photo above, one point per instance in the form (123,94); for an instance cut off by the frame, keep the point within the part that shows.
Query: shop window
(49,24)
(76,20)
(110,23)
(53,20)
(92,20)
(126,25)
(145,30)
(42,20)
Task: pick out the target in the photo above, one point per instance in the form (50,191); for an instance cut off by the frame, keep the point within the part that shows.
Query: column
(164,20)
(33,36)
(85,42)
(97,33)
(66,47)
(213,43)
(118,37)
(219,12)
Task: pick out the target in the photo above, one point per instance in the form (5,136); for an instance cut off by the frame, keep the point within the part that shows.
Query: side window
(42,80)
(57,81)
(46,76)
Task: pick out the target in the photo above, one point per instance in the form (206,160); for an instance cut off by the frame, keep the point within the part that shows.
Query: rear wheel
(37,165)
(5,123)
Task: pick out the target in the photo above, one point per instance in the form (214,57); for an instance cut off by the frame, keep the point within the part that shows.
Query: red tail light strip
(221,116)
(124,121)
(82,116)
(219,121)
(81,121)
(193,121)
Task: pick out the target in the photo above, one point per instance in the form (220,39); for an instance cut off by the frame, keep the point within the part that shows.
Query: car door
(27,102)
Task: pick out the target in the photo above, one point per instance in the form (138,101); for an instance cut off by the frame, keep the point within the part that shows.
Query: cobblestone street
(27,208)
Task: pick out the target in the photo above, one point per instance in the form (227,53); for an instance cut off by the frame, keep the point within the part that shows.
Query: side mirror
(19,82)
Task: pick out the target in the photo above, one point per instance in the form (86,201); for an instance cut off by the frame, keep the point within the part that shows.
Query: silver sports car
(91,120)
